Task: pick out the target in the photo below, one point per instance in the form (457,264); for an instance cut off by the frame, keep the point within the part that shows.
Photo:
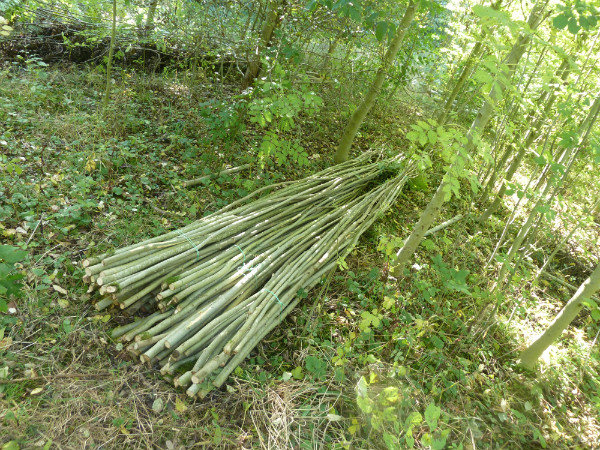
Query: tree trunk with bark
(483,117)
(343,149)
(150,19)
(269,26)
(533,133)
(560,323)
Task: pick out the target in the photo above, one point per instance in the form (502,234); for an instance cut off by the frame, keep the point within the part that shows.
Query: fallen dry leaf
(5,343)
(59,289)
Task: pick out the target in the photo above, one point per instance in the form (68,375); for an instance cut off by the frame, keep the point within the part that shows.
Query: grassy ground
(76,181)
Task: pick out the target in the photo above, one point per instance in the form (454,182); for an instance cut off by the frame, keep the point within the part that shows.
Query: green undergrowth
(364,362)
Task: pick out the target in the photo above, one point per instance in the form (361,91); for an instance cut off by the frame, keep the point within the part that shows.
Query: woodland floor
(91,182)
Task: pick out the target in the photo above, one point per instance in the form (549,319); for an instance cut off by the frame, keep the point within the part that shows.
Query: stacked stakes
(222,283)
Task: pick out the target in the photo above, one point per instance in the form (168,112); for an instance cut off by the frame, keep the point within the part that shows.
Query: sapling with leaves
(533,132)
(360,113)
(540,204)
(470,63)
(457,168)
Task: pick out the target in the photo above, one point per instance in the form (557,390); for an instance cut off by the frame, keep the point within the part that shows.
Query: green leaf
(381,31)
(573,26)
(365,404)
(11,445)
(316,366)
(560,21)
(432,135)
(361,387)
(437,343)
(424,125)
(432,414)
(486,11)
(390,441)
(297,373)
(12,254)
(67,327)
(412,136)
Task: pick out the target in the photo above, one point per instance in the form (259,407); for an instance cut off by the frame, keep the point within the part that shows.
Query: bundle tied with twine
(222,283)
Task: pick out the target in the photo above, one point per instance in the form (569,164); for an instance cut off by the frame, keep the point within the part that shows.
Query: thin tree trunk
(463,77)
(150,19)
(557,187)
(111,52)
(560,323)
(586,125)
(470,62)
(265,38)
(496,167)
(432,210)
(332,46)
(532,134)
(485,112)
(491,182)
(363,109)
(483,117)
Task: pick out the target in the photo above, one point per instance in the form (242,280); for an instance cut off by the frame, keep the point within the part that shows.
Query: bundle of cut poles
(222,283)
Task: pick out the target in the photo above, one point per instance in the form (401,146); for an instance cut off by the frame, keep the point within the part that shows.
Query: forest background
(122,120)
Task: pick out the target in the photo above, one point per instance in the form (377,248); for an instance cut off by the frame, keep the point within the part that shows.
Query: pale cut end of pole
(164,370)
(193,390)
(184,380)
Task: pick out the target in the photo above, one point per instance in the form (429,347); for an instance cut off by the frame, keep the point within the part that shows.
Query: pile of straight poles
(221,284)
